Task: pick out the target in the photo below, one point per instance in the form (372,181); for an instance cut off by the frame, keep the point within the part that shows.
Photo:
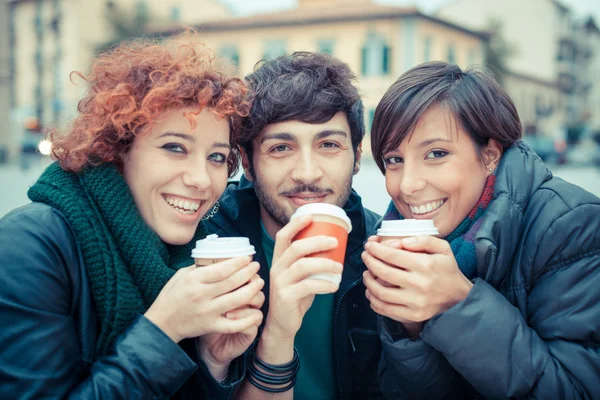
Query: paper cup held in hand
(214,249)
(403,228)
(327,220)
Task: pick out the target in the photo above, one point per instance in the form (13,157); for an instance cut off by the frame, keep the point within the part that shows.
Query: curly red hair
(137,82)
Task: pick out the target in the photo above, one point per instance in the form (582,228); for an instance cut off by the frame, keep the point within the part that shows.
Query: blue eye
(280,148)
(436,154)
(219,158)
(393,160)
(174,148)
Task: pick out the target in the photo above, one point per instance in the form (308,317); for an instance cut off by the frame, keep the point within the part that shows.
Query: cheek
(218,179)
(392,184)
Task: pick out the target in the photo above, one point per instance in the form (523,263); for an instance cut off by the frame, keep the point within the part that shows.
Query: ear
(246,165)
(357,159)
(492,153)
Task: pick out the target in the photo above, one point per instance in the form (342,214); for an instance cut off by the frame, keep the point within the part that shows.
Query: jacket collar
(518,176)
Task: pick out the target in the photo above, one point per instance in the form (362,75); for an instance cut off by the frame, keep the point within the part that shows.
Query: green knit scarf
(127,263)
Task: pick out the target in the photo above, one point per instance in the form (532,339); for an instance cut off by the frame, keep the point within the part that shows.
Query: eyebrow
(331,132)
(221,144)
(183,136)
(428,142)
(192,139)
(278,136)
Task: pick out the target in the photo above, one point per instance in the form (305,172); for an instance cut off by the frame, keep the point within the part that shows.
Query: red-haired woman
(98,295)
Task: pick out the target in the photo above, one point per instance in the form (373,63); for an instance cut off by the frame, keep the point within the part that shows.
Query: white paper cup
(403,228)
(328,220)
(214,249)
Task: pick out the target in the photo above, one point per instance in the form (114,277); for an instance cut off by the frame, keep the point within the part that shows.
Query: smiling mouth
(301,199)
(427,208)
(182,205)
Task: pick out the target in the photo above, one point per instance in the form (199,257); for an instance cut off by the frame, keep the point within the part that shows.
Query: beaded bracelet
(275,374)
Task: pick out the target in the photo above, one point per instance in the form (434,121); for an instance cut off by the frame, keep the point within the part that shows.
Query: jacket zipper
(335,344)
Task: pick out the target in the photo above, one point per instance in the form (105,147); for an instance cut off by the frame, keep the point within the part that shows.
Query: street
(369,183)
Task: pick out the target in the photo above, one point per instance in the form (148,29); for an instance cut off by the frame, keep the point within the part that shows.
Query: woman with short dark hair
(97,288)
(504,304)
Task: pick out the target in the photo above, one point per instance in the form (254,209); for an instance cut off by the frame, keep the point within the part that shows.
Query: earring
(490,169)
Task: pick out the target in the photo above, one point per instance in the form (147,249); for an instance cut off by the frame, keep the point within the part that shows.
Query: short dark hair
(303,86)
(476,100)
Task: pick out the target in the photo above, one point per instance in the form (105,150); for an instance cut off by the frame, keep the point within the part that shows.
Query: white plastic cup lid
(214,246)
(407,227)
(323,209)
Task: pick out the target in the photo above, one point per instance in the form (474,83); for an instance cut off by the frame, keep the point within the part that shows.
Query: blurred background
(546,53)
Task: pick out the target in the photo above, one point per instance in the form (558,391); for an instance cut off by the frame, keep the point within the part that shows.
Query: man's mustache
(306,188)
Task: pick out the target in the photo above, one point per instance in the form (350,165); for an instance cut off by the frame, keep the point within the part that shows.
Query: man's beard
(279,213)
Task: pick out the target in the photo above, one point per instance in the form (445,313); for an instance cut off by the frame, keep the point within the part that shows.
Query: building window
(427,43)
(370,118)
(274,49)
(141,11)
(231,53)
(176,14)
(451,56)
(473,56)
(375,58)
(325,46)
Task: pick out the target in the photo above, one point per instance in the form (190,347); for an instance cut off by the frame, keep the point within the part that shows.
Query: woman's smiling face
(438,172)
(176,173)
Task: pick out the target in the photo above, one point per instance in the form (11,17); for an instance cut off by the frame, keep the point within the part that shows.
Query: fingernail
(368,245)
(395,243)
(332,241)
(409,240)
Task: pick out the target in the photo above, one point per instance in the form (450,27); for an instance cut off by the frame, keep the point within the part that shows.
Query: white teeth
(426,208)
(183,206)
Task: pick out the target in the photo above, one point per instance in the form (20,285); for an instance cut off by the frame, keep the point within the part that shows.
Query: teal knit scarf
(462,239)
(127,264)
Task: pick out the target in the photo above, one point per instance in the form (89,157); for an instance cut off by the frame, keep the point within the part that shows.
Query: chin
(177,238)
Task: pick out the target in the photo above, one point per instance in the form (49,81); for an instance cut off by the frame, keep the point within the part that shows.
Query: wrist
(275,348)
(163,326)
(217,370)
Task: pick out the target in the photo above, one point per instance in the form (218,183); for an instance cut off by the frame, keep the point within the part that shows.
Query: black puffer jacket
(48,327)
(356,345)
(530,327)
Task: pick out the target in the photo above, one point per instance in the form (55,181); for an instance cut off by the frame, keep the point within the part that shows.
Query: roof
(362,11)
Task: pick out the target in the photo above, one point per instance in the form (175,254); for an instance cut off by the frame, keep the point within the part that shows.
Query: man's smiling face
(297,163)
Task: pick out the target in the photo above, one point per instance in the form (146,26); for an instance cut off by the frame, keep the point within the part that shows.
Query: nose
(412,179)
(308,169)
(196,175)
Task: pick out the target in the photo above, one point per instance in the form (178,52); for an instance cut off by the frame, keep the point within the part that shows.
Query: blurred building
(550,74)
(48,39)
(379,42)
(5,84)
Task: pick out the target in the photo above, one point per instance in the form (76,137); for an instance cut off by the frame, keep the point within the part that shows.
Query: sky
(245,7)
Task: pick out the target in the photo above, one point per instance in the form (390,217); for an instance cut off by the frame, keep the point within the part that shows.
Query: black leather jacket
(48,327)
(530,327)
(356,346)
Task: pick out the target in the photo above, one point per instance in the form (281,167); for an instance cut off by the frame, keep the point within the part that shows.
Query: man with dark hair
(301,145)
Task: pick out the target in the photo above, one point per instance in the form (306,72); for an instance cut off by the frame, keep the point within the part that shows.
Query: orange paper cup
(327,220)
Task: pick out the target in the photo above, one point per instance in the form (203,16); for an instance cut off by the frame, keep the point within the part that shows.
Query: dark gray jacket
(356,346)
(48,327)
(530,327)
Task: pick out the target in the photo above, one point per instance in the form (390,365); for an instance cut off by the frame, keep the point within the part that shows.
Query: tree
(126,24)
(498,51)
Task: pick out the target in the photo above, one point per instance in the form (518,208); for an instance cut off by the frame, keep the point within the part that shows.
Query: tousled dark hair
(303,86)
(479,104)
